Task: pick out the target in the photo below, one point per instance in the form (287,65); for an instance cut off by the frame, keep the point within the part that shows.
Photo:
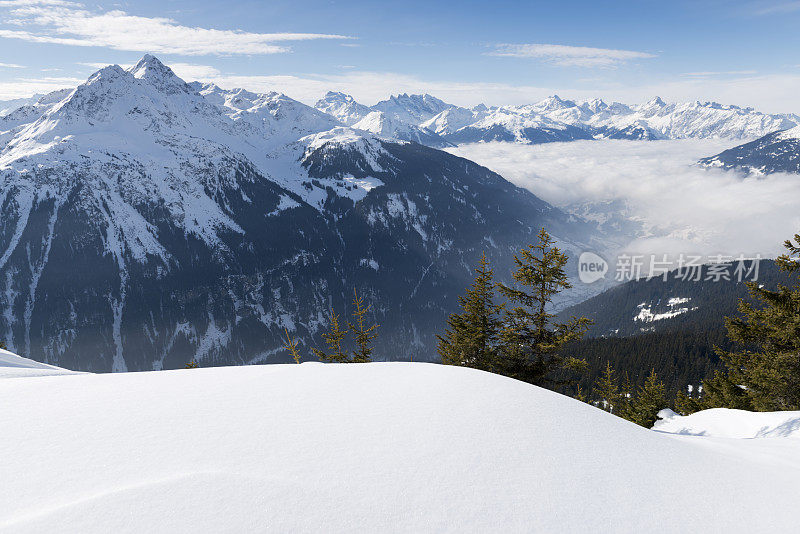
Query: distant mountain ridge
(557,119)
(775,152)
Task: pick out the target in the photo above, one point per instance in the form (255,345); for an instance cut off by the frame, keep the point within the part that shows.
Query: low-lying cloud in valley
(683,208)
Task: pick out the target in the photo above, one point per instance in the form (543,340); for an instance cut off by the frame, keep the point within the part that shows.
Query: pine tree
(472,335)
(192,364)
(364,335)
(625,395)
(333,339)
(3,346)
(764,375)
(530,339)
(607,390)
(648,401)
(290,344)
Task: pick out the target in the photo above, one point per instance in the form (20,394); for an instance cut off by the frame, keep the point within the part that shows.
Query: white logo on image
(591,267)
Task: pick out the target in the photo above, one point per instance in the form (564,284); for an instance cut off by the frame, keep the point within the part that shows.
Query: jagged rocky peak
(342,106)
(415,108)
(554,102)
(335,97)
(595,105)
(152,71)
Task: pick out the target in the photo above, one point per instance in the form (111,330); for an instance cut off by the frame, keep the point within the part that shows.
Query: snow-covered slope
(388,127)
(14,366)
(775,152)
(453,119)
(364,448)
(727,423)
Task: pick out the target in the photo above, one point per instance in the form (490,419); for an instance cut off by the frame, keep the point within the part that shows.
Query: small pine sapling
(333,339)
(290,344)
(364,335)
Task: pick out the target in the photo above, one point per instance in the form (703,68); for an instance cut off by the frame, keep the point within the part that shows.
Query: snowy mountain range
(147,222)
(774,152)
(556,119)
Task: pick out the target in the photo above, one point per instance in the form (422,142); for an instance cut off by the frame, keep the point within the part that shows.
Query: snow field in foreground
(383,447)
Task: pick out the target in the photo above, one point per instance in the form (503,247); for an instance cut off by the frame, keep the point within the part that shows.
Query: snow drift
(725,423)
(13,366)
(379,447)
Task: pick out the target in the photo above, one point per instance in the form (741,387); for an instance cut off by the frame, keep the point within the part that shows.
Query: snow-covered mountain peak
(553,103)
(415,108)
(152,71)
(453,119)
(336,97)
(390,127)
(343,107)
(595,105)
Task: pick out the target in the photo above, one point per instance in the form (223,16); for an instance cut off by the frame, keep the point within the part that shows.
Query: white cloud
(67,23)
(772,9)
(705,74)
(26,87)
(688,209)
(570,56)
(11,66)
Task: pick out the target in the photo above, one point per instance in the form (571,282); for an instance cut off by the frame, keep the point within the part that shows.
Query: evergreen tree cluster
(679,357)
(519,338)
(756,368)
(335,336)
(762,371)
(638,405)
(759,366)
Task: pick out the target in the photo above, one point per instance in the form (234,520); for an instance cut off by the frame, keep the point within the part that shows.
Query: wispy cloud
(68,23)
(26,87)
(773,9)
(11,66)
(570,56)
(705,74)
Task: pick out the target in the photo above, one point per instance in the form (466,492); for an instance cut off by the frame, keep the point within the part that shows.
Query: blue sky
(466,52)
